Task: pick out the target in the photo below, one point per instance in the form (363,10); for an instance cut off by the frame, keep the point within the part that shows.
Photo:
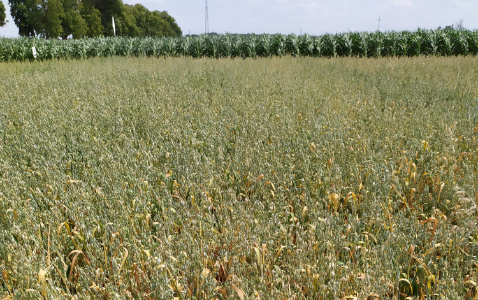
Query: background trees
(37,17)
(20,11)
(108,9)
(88,18)
(2,14)
(137,20)
(72,21)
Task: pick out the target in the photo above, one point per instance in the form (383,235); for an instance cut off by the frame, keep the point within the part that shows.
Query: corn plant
(441,42)
(306,45)
(265,45)
(328,45)
(279,45)
(459,41)
(293,45)
(237,46)
(139,47)
(472,40)
(317,46)
(402,43)
(213,45)
(444,43)
(344,45)
(375,44)
(198,46)
(227,45)
(249,46)
(429,44)
(170,46)
(184,46)
(360,44)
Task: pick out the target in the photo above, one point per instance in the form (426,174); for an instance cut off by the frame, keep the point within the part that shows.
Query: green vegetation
(441,42)
(89,18)
(2,14)
(273,178)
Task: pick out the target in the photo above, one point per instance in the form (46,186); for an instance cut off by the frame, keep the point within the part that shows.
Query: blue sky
(308,16)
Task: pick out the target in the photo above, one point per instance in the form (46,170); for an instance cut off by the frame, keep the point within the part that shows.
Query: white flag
(114,27)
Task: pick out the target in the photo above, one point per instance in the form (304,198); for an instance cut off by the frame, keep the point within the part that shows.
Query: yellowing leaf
(124,260)
(42,281)
(66,226)
(259,256)
(205,272)
(425,145)
(272,185)
(304,211)
(334,200)
(409,284)
(280,251)
(238,291)
(429,281)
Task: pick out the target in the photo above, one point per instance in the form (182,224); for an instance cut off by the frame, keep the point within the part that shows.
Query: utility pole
(379,23)
(206,27)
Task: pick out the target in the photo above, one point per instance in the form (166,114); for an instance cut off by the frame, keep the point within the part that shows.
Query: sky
(314,17)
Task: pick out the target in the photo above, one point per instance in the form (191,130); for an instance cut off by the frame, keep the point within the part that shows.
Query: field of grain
(274,178)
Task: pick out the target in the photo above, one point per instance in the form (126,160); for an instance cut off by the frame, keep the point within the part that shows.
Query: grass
(269,178)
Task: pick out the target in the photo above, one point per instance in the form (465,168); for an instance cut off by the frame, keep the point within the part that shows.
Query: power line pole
(206,27)
(379,23)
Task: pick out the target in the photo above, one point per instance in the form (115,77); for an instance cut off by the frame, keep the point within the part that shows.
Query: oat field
(273,178)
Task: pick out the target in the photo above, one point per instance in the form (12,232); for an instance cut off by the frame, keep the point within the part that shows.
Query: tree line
(87,18)
(2,14)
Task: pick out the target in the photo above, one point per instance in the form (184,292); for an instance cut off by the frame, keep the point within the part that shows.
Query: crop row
(442,42)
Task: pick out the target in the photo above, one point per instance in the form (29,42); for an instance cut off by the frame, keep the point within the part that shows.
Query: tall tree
(37,17)
(92,17)
(108,9)
(79,18)
(172,27)
(20,10)
(139,21)
(126,24)
(53,13)
(2,14)
(72,21)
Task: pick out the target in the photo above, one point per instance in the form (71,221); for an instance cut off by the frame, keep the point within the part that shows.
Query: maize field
(442,42)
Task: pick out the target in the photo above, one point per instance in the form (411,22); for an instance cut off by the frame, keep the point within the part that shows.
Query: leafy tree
(141,16)
(72,21)
(137,20)
(126,25)
(108,9)
(50,27)
(74,24)
(157,25)
(2,14)
(37,17)
(20,11)
(92,17)
(172,28)
(79,18)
